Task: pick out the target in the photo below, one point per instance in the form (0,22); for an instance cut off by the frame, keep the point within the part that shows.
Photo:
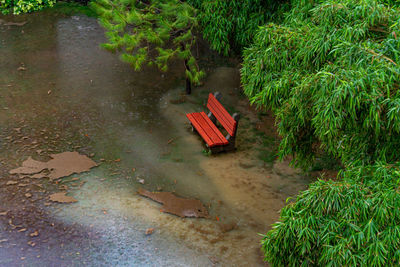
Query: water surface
(60,92)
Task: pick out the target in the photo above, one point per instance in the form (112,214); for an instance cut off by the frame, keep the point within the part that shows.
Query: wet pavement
(60,92)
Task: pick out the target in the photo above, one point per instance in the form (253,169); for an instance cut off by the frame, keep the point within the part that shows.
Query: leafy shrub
(331,74)
(352,222)
(231,24)
(24,6)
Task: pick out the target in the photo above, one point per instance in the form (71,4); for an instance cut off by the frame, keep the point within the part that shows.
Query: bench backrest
(221,115)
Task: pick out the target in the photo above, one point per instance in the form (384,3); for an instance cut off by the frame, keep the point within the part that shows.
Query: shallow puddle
(60,92)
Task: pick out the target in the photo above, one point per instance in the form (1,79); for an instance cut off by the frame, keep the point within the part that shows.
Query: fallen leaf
(149,231)
(36,233)
(31,243)
(11,182)
(21,68)
(62,198)
(4,213)
(22,230)
(141,181)
(28,195)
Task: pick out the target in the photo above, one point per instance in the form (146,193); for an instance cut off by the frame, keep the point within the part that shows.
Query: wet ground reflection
(60,92)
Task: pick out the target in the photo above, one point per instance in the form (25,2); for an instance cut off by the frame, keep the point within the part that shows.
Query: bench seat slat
(207,129)
(221,114)
(223,117)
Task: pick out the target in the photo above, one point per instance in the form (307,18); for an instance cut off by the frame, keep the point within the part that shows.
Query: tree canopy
(152,32)
(230,25)
(350,222)
(330,72)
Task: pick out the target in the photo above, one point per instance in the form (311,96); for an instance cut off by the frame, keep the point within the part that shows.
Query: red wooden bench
(205,125)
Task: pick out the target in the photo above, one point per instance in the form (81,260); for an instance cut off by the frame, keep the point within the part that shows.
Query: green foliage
(23,6)
(352,222)
(152,32)
(72,8)
(331,74)
(231,24)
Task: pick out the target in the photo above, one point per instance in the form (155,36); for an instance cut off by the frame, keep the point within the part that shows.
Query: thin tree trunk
(188,83)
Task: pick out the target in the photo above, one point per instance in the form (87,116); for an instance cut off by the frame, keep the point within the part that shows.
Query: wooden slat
(207,130)
(221,137)
(199,128)
(221,114)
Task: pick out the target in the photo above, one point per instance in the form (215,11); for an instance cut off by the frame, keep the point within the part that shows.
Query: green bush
(352,222)
(24,6)
(231,24)
(331,74)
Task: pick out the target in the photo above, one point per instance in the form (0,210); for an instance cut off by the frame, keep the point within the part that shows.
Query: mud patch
(61,197)
(182,207)
(63,164)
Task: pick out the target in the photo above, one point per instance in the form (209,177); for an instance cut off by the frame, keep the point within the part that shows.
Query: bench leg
(232,139)
(216,149)
(231,146)
(193,129)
